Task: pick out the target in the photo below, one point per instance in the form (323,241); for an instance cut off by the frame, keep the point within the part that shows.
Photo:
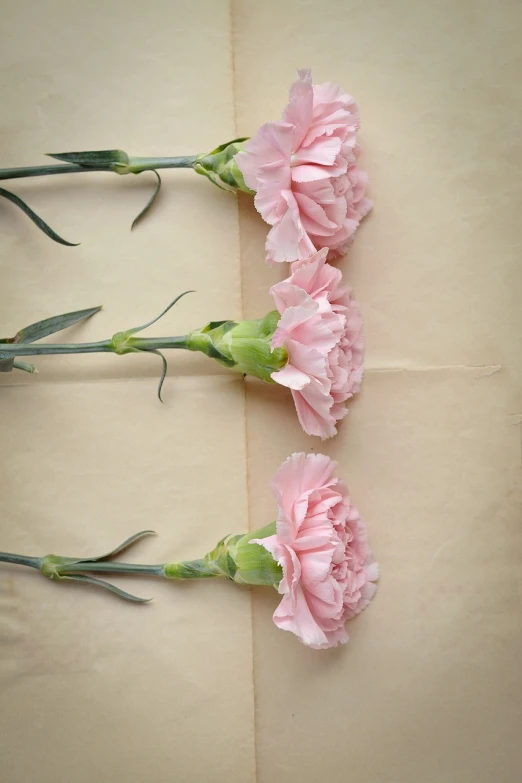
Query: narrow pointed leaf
(120,548)
(42,225)
(150,202)
(94,158)
(163,372)
(54,324)
(91,580)
(171,305)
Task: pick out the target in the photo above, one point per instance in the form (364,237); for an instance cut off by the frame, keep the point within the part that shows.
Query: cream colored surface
(429,687)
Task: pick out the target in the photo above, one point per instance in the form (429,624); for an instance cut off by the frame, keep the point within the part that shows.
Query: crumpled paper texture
(200,684)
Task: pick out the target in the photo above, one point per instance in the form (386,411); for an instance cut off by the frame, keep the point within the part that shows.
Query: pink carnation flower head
(321,544)
(304,172)
(321,329)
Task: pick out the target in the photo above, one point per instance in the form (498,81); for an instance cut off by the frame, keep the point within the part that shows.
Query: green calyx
(234,558)
(244,346)
(254,564)
(221,168)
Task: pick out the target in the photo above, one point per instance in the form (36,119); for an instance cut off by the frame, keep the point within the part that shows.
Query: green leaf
(93,158)
(119,549)
(48,326)
(42,225)
(137,329)
(91,580)
(150,202)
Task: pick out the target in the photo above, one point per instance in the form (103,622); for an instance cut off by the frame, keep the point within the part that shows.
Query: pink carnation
(305,175)
(321,328)
(321,545)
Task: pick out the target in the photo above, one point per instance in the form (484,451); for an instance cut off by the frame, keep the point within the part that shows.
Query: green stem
(102,346)
(111,568)
(31,562)
(135,166)
(44,171)
(56,568)
(203,568)
(158,343)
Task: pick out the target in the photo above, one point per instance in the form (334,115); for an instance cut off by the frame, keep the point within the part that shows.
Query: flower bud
(221,168)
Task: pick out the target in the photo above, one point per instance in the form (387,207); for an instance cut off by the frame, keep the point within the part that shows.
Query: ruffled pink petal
(273,181)
(309,361)
(321,191)
(321,543)
(322,152)
(321,332)
(316,537)
(313,407)
(325,599)
(310,172)
(333,638)
(316,564)
(293,318)
(286,294)
(293,614)
(291,377)
(288,240)
(302,473)
(313,217)
(321,281)
(299,110)
(272,143)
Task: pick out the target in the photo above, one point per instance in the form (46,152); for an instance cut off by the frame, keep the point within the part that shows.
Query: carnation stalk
(135,166)
(234,557)
(218,166)
(243,346)
(316,555)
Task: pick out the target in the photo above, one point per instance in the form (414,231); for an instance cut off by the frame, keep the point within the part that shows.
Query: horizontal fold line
(486,369)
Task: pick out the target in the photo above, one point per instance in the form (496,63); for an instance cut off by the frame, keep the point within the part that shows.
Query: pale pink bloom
(305,175)
(321,544)
(321,328)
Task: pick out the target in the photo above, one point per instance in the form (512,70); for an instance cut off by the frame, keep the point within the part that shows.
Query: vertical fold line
(237,132)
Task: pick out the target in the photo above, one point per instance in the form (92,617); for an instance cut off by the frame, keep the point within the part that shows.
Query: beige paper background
(197,686)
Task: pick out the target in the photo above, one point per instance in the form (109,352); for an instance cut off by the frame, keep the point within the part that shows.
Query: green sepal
(251,347)
(221,168)
(244,345)
(254,564)
(210,341)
